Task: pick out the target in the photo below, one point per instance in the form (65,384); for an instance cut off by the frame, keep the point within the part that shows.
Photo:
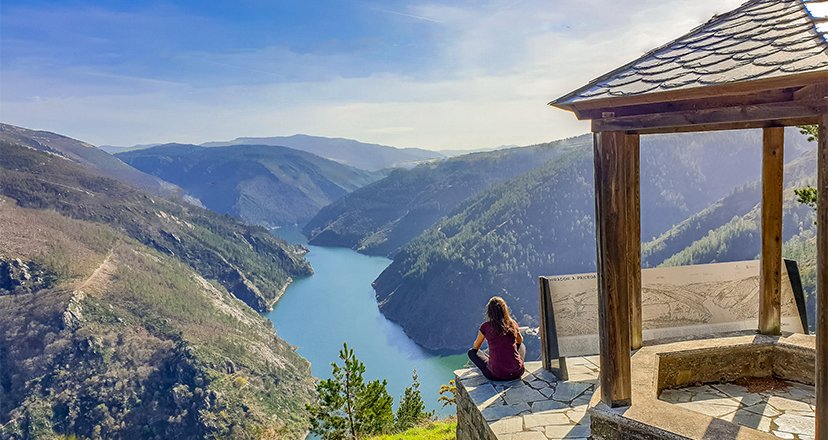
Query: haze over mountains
(371,157)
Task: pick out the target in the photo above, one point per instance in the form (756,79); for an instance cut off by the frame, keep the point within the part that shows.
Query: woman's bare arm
(479,341)
(519,335)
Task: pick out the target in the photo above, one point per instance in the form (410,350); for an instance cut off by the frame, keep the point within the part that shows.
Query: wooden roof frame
(617,124)
(769,103)
(781,101)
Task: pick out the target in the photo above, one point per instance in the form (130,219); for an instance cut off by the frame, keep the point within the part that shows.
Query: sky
(431,74)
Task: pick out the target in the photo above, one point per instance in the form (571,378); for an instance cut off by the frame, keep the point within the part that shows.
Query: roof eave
(562,105)
(701,92)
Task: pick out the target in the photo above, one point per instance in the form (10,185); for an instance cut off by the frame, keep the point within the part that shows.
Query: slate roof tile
(760,39)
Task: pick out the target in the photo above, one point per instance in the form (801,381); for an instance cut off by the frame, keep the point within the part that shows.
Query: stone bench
(685,390)
(536,407)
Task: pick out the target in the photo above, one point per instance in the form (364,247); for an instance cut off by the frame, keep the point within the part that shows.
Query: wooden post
(612,237)
(770,279)
(822,284)
(632,160)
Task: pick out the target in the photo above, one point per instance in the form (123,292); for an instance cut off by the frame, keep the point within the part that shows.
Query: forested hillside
(541,223)
(266,185)
(728,230)
(384,216)
(248,261)
(104,337)
(123,315)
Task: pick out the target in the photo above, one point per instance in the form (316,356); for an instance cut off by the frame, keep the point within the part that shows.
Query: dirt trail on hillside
(101,275)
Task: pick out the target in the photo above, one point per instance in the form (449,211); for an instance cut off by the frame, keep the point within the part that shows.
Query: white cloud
(499,64)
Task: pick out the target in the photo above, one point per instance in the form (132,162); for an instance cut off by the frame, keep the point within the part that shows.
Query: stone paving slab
(786,411)
(538,406)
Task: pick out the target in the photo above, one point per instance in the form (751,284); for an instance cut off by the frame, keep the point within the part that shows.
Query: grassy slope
(132,343)
(267,185)
(248,261)
(439,430)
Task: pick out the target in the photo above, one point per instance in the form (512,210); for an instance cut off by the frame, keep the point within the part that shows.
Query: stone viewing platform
(741,386)
(536,407)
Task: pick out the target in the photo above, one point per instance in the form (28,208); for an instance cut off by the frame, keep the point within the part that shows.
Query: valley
(288,220)
(344,309)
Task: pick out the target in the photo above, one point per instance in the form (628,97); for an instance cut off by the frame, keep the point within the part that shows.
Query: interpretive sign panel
(677,302)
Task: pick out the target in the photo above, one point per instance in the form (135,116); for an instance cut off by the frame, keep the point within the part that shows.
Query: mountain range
(266,185)
(87,155)
(382,217)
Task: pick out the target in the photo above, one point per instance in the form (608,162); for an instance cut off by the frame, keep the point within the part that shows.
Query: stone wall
(470,422)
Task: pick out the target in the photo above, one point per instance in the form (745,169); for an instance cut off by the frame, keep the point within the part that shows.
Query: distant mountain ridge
(87,155)
(114,149)
(261,184)
(371,157)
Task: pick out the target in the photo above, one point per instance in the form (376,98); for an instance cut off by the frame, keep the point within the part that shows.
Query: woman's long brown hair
(497,312)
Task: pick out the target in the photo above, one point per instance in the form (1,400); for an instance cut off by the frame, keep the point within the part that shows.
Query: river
(337,304)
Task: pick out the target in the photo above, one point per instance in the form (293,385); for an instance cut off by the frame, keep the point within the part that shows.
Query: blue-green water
(337,304)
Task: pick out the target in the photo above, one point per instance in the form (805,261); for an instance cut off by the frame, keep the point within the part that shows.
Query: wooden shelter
(762,65)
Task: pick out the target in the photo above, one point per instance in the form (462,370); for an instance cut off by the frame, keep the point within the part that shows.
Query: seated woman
(506,349)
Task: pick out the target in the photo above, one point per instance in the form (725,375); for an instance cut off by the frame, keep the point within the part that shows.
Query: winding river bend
(337,304)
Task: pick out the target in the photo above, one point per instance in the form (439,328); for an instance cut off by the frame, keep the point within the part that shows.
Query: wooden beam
(811,120)
(725,115)
(632,162)
(813,91)
(764,97)
(770,279)
(612,245)
(822,284)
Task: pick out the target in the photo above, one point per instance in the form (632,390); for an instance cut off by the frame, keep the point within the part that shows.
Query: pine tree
(374,409)
(808,194)
(412,410)
(347,407)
